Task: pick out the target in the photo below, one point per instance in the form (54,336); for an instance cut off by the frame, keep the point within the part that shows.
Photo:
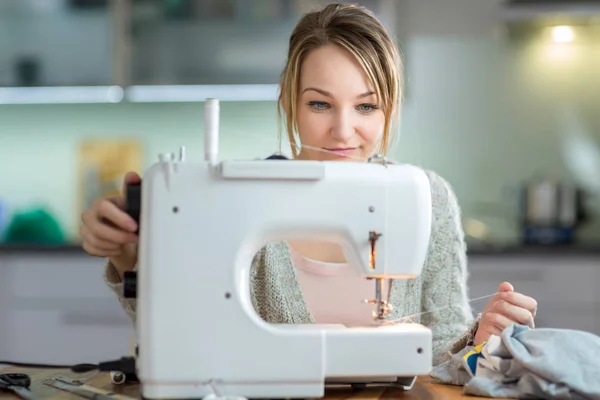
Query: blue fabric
(471,359)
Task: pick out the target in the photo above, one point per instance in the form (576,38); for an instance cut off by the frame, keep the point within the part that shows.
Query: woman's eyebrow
(326,93)
(323,92)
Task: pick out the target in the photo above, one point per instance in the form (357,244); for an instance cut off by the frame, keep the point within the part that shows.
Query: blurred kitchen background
(502,99)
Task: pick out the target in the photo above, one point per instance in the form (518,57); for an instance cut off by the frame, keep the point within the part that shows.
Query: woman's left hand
(504,309)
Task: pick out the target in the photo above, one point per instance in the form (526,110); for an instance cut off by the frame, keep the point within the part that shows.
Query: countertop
(513,250)
(68,248)
(423,388)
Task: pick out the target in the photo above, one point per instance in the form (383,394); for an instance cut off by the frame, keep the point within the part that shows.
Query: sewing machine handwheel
(133,201)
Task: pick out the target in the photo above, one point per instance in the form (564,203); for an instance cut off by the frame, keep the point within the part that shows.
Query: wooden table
(422,390)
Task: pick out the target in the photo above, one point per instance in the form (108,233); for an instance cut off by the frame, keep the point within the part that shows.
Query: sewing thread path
(408,318)
(301,146)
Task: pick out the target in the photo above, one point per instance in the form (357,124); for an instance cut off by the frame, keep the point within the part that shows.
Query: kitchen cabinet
(147,42)
(565,287)
(221,42)
(57,309)
(55,43)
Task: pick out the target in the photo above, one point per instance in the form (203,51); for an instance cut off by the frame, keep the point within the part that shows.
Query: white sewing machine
(201,224)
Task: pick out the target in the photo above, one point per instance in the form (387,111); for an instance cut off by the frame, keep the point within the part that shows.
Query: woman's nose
(342,128)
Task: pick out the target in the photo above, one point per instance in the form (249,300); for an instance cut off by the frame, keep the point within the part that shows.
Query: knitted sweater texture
(439,293)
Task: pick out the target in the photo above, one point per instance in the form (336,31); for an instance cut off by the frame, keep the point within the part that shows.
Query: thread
(301,146)
(408,318)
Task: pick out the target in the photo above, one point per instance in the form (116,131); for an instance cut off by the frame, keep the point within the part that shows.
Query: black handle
(130,284)
(133,201)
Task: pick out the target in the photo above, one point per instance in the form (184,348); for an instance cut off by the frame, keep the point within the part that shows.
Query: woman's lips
(342,151)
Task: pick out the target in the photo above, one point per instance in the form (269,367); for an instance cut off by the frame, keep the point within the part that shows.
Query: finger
(512,312)
(498,320)
(118,201)
(90,246)
(96,243)
(93,251)
(109,233)
(520,300)
(491,328)
(498,296)
(130,177)
(111,237)
(110,211)
(506,287)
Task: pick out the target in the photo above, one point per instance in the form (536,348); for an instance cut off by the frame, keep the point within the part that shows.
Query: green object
(36,226)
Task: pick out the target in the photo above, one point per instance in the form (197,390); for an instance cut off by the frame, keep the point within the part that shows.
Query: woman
(340,94)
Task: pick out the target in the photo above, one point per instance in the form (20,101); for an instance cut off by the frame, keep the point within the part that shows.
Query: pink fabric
(335,293)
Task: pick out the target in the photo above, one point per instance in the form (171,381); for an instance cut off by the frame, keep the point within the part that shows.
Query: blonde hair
(357,30)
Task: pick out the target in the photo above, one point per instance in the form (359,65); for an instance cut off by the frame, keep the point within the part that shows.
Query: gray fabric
(525,363)
(452,371)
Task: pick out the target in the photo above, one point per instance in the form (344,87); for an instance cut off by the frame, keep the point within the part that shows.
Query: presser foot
(383,309)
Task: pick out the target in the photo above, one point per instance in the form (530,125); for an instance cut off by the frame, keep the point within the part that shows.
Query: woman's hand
(504,309)
(108,231)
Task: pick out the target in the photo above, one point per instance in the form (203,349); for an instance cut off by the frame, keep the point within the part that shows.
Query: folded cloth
(526,363)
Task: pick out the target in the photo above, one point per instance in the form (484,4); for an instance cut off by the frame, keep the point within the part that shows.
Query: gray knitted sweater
(440,291)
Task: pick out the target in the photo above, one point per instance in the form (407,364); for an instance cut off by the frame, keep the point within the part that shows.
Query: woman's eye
(367,107)
(318,105)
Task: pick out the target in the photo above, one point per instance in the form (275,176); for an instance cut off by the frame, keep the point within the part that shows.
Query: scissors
(18,383)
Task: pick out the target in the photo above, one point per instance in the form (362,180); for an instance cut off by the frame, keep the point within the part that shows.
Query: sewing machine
(201,224)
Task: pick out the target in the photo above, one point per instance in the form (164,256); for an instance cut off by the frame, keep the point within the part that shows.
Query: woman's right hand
(108,231)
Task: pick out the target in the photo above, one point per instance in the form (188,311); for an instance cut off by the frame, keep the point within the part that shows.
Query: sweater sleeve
(445,304)
(114,282)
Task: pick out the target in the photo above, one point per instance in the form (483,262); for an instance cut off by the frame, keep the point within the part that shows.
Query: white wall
(488,114)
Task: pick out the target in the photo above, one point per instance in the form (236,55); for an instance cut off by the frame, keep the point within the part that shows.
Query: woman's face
(337,108)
